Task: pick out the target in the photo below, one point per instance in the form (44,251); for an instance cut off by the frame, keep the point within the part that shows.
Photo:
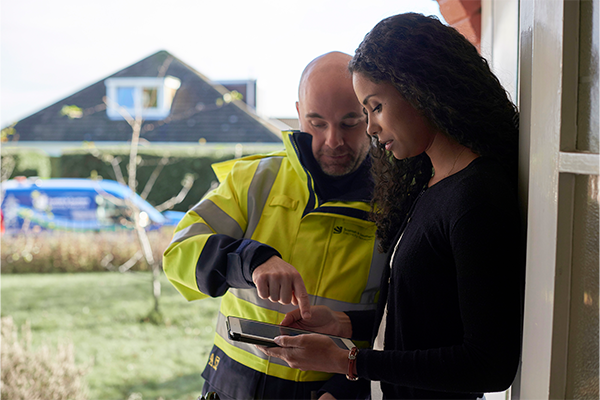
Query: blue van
(76,205)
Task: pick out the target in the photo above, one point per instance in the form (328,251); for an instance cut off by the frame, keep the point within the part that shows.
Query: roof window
(150,97)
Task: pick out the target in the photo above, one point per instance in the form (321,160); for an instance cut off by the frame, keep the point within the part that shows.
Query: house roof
(197,112)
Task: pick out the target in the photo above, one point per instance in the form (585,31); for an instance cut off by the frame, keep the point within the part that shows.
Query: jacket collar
(356,186)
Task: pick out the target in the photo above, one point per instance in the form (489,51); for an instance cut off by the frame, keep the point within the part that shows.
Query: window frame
(164,97)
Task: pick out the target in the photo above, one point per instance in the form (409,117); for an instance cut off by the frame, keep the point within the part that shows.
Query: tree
(136,123)
(139,223)
(8,162)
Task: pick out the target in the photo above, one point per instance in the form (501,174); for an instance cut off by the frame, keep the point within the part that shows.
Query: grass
(100,314)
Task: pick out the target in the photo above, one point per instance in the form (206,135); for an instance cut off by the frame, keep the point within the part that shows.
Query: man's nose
(334,138)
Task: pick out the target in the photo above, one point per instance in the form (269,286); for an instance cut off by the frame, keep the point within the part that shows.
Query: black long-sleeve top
(455,293)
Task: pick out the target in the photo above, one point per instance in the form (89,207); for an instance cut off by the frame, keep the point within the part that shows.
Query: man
(288,228)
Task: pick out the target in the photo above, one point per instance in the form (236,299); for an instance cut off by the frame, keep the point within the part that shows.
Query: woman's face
(395,123)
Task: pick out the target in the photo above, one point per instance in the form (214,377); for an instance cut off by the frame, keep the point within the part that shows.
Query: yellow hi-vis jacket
(266,204)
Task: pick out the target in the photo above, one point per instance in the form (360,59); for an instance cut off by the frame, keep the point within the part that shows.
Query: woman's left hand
(311,352)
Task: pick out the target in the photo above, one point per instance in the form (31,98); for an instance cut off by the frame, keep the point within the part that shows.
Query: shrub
(38,375)
(26,162)
(195,160)
(75,251)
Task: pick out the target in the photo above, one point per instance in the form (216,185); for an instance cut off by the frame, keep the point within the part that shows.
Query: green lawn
(100,314)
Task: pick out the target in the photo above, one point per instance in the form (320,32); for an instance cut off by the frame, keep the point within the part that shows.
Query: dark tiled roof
(195,113)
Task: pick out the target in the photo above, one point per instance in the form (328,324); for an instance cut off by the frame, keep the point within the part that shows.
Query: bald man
(329,111)
(285,230)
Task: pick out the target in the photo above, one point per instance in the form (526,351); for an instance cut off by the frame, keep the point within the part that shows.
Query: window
(125,96)
(150,97)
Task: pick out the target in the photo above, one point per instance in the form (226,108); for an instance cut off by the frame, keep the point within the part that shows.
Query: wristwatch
(351,364)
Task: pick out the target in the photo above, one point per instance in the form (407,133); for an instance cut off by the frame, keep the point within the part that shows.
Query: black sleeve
(362,324)
(227,262)
(341,388)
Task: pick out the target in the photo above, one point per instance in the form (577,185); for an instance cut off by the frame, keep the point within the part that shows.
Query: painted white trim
(549,81)
(500,41)
(56,149)
(542,29)
(579,163)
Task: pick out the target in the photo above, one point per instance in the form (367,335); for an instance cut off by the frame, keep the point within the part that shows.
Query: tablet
(262,333)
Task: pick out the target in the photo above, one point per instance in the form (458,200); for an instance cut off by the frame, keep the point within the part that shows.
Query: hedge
(197,160)
(89,162)
(27,161)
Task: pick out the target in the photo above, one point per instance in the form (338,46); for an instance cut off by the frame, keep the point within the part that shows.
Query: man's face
(331,113)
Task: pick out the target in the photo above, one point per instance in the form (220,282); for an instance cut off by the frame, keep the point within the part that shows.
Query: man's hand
(279,281)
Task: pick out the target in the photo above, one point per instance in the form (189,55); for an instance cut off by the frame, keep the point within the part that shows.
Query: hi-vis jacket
(266,205)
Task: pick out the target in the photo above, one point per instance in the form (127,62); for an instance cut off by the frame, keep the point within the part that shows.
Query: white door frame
(549,52)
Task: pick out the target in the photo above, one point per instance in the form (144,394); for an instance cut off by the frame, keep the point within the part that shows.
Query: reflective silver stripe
(218,219)
(192,230)
(247,347)
(375,272)
(251,296)
(259,190)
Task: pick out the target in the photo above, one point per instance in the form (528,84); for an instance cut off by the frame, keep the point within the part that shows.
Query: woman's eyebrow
(367,99)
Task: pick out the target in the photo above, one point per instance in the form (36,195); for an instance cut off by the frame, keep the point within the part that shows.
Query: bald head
(329,68)
(329,110)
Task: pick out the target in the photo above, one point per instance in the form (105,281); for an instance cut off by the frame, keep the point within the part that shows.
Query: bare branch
(121,110)
(165,66)
(115,200)
(115,162)
(163,161)
(187,184)
(106,262)
(133,153)
(8,166)
(213,186)
(131,262)
(126,266)
(145,244)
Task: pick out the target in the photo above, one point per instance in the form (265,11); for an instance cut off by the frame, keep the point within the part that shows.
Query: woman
(449,318)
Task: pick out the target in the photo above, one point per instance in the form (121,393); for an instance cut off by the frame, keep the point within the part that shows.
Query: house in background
(178,104)
(247,88)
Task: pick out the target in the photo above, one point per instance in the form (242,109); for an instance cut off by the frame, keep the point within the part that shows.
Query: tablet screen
(269,331)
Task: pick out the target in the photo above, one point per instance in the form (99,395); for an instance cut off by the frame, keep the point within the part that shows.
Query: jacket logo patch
(213,361)
(358,235)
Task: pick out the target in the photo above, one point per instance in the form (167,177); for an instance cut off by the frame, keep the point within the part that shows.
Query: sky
(51,49)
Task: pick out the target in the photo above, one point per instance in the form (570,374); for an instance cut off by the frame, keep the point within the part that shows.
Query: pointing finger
(302,298)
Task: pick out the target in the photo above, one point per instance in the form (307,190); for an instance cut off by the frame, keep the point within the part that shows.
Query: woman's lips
(387,144)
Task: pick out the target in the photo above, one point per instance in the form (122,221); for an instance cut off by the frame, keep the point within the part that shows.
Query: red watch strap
(351,364)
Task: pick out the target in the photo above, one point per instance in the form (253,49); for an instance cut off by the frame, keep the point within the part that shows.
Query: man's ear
(299,119)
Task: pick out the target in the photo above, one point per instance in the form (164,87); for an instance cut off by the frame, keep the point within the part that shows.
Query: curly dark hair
(440,73)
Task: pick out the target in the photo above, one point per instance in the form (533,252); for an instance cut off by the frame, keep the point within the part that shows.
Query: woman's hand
(310,352)
(327,396)
(322,320)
